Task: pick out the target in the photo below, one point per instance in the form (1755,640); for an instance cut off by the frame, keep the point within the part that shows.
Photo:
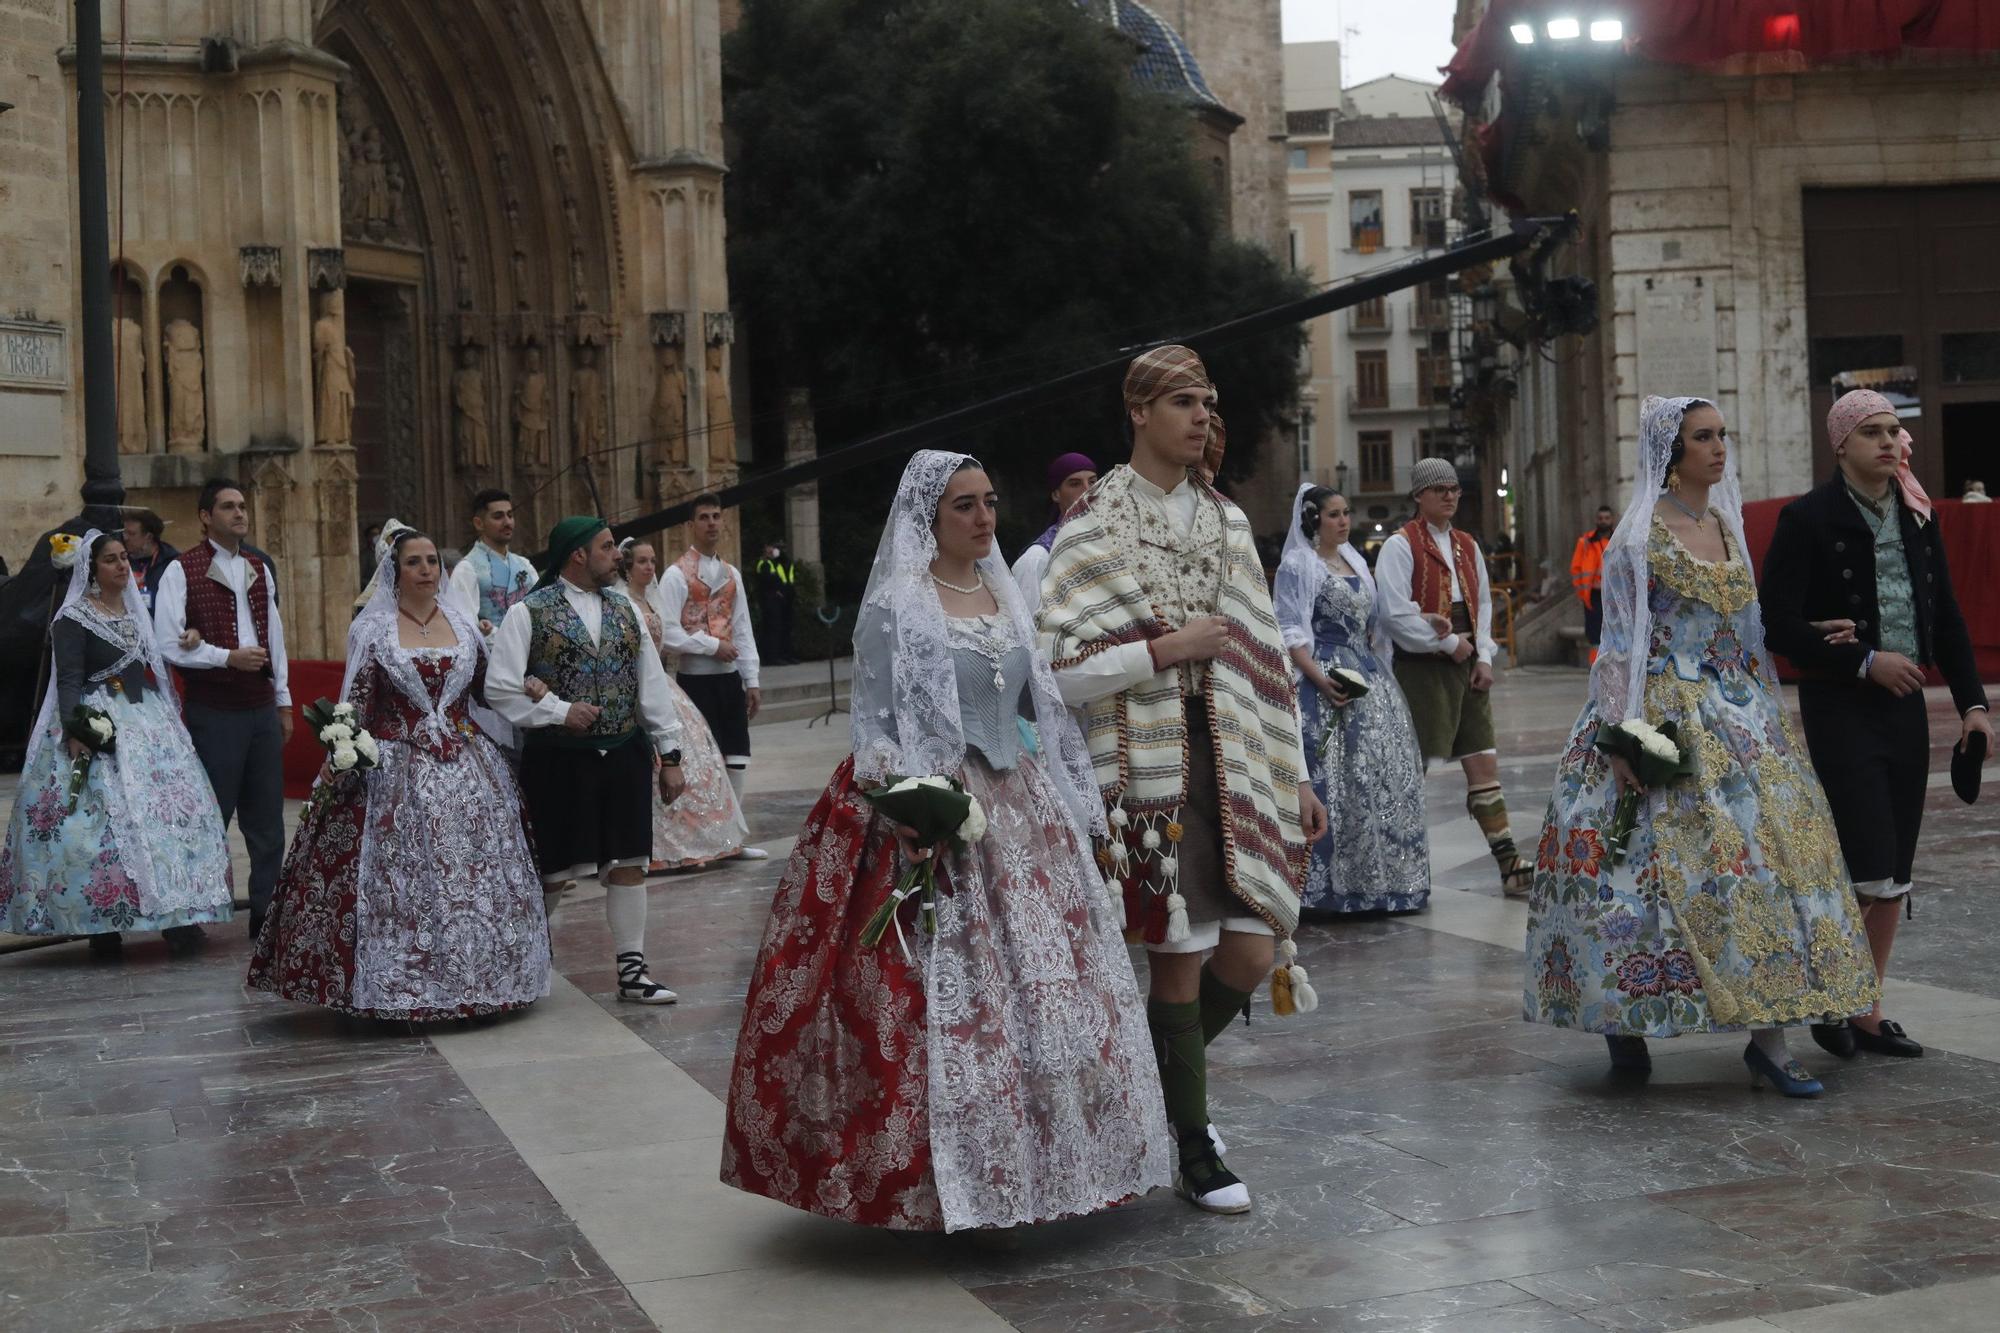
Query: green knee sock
(1220,1003)
(1183,1057)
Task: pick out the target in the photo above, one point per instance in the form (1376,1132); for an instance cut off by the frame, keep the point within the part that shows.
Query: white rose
(907,784)
(942,784)
(974,827)
(1347,676)
(344,758)
(336,732)
(101,727)
(343,711)
(1660,747)
(1150,840)
(1638,729)
(365,745)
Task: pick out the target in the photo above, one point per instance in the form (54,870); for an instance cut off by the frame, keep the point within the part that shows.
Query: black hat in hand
(1966,757)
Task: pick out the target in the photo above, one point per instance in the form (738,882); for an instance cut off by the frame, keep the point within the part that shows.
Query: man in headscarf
(1439,605)
(1856,593)
(1069,478)
(1158,622)
(594,739)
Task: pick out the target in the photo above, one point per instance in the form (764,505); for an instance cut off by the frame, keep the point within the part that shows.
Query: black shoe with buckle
(1836,1038)
(1888,1039)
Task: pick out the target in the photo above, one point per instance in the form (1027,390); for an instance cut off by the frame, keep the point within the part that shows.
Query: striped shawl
(1096,597)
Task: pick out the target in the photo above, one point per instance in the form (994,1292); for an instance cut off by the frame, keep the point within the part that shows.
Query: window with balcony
(1427,215)
(1371,379)
(1434,375)
(1432,307)
(1378,460)
(1372,314)
(1364,220)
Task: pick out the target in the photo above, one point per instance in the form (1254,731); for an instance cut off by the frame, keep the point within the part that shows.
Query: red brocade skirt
(1003,1074)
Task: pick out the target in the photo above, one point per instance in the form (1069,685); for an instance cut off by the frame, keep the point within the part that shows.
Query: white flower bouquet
(98,734)
(1355,686)
(348,746)
(941,811)
(1657,757)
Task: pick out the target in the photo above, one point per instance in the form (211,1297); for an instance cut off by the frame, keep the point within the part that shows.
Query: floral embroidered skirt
(1368,773)
(1732,909)
(1000,1074)
(145,848)
(706,823)
(410,892)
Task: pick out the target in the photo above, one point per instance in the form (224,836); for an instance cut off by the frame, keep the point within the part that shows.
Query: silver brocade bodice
(992,669)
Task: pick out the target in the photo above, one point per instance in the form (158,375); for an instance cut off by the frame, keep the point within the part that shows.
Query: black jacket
(1821,566)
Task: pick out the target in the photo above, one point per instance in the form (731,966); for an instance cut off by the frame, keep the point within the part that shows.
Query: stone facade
(1693,216)
(379,256)
(1240,44)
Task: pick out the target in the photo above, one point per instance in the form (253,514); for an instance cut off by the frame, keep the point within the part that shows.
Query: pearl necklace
(1675,501)
(977,584)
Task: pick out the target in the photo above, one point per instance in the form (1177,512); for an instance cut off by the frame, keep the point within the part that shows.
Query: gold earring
(1673,479)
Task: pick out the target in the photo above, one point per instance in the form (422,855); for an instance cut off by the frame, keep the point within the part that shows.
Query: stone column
(802,502)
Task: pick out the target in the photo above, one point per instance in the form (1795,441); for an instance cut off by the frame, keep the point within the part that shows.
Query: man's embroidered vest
(1430,577)
(502,583)
(1182,574)
(606,673)
(709,611)
(211,609)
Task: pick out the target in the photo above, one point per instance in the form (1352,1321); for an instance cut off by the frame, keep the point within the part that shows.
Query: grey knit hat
(1431,472)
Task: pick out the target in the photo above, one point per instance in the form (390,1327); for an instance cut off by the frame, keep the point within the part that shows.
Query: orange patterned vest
(1430,577)
(707,610)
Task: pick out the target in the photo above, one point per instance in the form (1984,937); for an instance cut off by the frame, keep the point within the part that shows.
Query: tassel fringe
(1291,990)
(1177,919)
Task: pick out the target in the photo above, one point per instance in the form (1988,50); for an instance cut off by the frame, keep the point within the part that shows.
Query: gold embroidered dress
(1732,909)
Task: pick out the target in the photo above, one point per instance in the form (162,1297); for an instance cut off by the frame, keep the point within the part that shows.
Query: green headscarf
(566,539)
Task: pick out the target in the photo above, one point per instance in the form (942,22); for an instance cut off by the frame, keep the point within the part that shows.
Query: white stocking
(625,917)
(1771,1041)
(737,774)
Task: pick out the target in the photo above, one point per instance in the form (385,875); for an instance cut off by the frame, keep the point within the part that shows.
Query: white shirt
(170,620)
(463,591)
(697,649)
(1394,570)
(1128,665)
(507,666)
(1027,574)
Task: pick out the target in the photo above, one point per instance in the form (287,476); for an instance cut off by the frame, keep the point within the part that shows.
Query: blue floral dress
(1365,766)
(1732,909)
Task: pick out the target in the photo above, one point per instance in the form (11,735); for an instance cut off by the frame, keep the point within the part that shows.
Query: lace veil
(901,633)
(1301,575)
(373,634)
(75,607)
(1618,680)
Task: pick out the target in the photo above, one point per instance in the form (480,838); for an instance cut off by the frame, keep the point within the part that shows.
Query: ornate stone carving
(326,268)
(586,403)
(669,326)
(131,387)
(373,178)
(333,375)
(399,374)
(590,330)
(263,265)
(715,399)
(718,327)
(668,416)
(187,402)
(531,412)
(471,440)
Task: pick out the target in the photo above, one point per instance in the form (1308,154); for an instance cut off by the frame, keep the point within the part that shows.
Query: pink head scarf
(1857,406)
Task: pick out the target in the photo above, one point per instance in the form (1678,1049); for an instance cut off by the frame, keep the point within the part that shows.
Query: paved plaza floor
(175,1153)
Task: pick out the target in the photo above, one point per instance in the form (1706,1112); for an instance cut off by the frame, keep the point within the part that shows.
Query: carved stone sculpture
(669,412)
(470,439)
(131,387)
(187,404)
(333,374)
(371,184)
(531,412)
(721,424)
(586,404)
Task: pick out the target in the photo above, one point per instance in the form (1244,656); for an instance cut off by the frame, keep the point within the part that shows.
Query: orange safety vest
(1586,565)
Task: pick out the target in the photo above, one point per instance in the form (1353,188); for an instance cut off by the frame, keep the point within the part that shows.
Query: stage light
(1524,33)
(1564,30)
(1607,30)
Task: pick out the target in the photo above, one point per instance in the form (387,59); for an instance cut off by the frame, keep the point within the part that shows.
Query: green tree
(932,201)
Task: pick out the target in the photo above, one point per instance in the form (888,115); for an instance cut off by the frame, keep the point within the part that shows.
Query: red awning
(1774,34)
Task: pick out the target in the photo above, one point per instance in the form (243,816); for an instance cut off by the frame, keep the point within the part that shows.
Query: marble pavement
(177,1154)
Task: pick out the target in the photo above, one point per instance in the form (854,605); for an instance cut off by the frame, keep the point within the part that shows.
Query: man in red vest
(1439,605)
(237,706)
(706,619)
